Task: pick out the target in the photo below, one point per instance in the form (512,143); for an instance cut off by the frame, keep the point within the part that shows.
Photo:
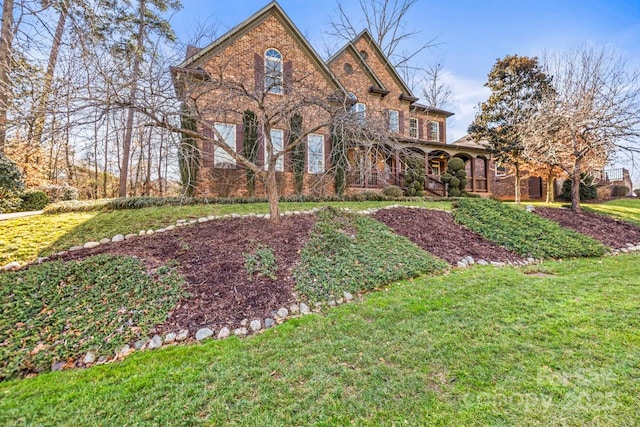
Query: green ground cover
(479,346)
(25,239)
(624,209)
(523,232)
(354,253)
(58,311)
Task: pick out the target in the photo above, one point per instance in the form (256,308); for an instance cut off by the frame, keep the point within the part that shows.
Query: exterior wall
(233,183)
(504,187)
(239,66)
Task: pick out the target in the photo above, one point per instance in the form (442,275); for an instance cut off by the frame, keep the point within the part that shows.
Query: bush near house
(33,200)
(588,191)
(525,233)
(619,191)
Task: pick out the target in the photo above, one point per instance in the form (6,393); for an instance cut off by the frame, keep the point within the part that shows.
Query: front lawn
(479,346)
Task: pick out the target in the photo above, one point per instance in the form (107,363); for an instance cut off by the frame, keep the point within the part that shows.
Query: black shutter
(401,122)
(420,128)
(288,77)
(259,72)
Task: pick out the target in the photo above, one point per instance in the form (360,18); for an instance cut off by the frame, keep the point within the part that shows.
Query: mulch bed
(210,259)
(610,231)
(437,232)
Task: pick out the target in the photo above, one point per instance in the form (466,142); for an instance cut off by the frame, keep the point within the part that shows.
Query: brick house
(267,67)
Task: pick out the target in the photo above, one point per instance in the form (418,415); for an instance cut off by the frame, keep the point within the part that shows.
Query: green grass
(523,232)
(58,311)
(353,253)
(624,209)
(480,346)
(25,239)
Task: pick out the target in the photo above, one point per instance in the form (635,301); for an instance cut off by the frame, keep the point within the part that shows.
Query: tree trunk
(128,133)
(575,186)
(549,189)
(39,115)
(517,189)
(5,63)
(272,194)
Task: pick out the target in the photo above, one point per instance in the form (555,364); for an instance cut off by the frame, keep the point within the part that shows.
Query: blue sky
(471,34)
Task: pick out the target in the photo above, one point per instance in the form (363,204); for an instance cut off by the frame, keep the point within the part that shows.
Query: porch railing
(434,185)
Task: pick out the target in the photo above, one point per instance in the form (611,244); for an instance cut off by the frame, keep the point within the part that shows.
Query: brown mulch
(610,231)
(436,232)
(210,259)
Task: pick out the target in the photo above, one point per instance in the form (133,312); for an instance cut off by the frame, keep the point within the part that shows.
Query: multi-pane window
(413,128)
(360,110)
(394,121)
(315,153)
(273,71)
(435,131)
(221,158)
(277,140)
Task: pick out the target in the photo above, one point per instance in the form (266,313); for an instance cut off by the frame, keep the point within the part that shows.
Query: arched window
(273,71)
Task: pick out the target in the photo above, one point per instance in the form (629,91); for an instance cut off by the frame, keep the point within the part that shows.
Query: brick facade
(222,80)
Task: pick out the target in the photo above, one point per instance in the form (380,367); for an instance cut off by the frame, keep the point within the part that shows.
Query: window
(435,167)
(364,54)
(222,159)
(435,131)
(315,153)
(394,121)
(277,140)
(500,170)
(273,71)
(360,110)
(348,68)
(413,128)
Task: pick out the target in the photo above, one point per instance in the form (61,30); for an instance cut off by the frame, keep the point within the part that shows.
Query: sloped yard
(612,232)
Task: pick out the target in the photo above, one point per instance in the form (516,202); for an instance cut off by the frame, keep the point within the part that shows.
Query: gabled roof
(468,142)
(407,94)
(271,9)
(351,48)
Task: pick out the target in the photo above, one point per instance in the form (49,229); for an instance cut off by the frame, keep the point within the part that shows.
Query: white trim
(222,159)
(277,140)
(315,158)
(394,121)
(414,131)
(277,85)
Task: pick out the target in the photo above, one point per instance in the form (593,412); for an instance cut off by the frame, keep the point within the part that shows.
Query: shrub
(456,177)
(619,191)
(588,191)
(415,176)
(637,192)
(33,200)
(10,176)
(58,193)
(392,191)
(10,201)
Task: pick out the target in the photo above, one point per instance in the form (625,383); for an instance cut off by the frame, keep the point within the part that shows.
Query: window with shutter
(221,158)
(273,71)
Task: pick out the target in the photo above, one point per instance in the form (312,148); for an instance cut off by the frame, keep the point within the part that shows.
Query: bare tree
(592,112)
(435,92)
(6,38)
(385,20)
